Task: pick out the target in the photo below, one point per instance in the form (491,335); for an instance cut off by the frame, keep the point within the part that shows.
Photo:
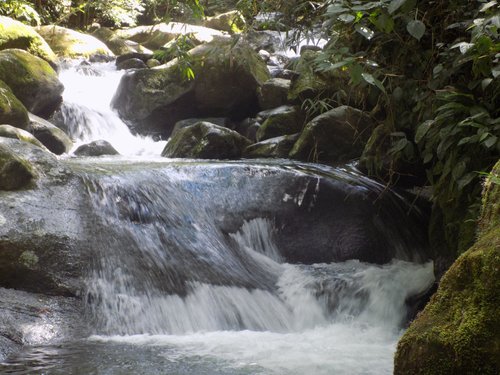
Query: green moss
(15,172)
(12,111)
(14,34)
(459,330)
(490,210)
(286,122)
(28,259)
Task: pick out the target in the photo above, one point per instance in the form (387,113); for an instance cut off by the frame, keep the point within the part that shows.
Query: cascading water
(192,262)
(86,112)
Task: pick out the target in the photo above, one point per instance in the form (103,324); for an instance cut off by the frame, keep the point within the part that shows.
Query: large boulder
(158,35)
(204,140)
(116,44)
(226,78)
(12,111)
(284,120)
(335,136)
(9,131)
(73,44)
(278,147)
(458,332)
(32,80)
(14,34)
(55,139)
(274,93)
(15,171)
(232,21)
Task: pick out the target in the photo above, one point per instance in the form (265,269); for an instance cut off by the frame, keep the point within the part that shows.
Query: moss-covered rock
(55,139)
(116,44)
(156,36)
(12,111)
(458,332)
(70,43)
(8,131)
(15,171)
(278,147)
(32,80)
(337,135)
(274,93)
(204,140)
(14,34)
(226,78)
(232,22)
(284,120)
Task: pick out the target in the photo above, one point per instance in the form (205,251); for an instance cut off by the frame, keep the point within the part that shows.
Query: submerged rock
(14,34)
(55,139)
(226,78)
(458,332)
(204,140)
(335,136)
(12,111)
(73,44)
(32,80)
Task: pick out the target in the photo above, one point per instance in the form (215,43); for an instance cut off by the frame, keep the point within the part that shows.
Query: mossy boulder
(73,44)
(55,139)
(14,34)
(156,36)
(335,136)
(226,78)
(12,111)
(8,131)
(116,44)
(280,121)
(32,80)
(274,93)
(278,147)
(458,332)
(232,22)
(133,63)
(204,140)
(15,171)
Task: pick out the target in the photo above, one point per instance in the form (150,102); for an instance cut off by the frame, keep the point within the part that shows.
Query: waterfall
(86,114)
(242,267)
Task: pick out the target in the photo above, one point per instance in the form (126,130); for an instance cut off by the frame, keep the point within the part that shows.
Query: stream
(200,267)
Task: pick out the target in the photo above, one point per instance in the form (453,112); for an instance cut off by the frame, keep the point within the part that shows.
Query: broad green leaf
(347,18)
(399,146)
(491,141)
(395,5)
(422,130)
(458,170)
(466,180)
(463,141)
(356,71)
(416,29)
(373,81)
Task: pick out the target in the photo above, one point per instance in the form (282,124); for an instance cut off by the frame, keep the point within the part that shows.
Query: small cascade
(86,114)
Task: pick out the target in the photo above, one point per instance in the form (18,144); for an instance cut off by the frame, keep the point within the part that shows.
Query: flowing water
(171,292)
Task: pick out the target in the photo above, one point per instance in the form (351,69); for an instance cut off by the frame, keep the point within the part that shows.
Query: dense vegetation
(427,71)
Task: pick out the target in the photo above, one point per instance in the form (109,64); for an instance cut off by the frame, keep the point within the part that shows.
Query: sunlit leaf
(416,29)
(395,5)
(365,31)
(373,81)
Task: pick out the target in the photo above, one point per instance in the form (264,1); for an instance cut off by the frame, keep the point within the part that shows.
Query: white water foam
(86,111)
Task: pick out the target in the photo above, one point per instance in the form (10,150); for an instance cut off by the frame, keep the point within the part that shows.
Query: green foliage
(20,10)
(179,49)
